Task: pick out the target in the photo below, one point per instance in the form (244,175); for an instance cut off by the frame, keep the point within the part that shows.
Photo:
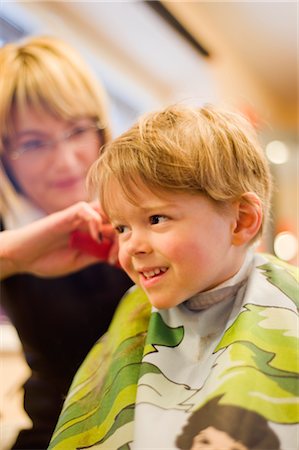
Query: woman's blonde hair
(48,74)
(186,149)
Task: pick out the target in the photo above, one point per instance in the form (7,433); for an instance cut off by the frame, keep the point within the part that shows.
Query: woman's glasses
(39,147)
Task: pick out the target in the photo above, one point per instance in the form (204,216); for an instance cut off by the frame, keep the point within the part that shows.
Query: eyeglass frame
(51,143)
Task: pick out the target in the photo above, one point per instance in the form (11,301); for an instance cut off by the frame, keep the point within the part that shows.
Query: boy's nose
(138,244)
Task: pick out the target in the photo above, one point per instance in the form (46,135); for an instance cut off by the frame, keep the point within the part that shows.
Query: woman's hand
(42,247)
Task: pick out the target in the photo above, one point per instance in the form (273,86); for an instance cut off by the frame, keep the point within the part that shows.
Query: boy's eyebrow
(158,206)
(116,214)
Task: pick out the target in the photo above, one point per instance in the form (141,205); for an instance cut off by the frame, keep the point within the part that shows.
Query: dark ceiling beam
(163,12)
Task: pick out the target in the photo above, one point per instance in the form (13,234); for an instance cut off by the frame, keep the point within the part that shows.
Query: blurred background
(243,55)
(148,54)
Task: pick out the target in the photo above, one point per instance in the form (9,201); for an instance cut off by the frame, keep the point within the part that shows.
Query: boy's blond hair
(49,75)
(186,149)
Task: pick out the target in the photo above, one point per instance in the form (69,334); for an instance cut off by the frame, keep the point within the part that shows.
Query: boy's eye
(156,219)
(120,229)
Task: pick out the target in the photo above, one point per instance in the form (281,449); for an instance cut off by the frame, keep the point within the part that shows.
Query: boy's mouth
(153,272)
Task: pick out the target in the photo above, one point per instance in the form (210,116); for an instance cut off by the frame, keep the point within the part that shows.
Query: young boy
(211,325)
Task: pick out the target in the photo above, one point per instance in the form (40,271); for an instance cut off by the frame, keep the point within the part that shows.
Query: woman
(53,121)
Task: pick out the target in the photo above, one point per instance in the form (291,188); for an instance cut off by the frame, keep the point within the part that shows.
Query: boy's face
(174,245)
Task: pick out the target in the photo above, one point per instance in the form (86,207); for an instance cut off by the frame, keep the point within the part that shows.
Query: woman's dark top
(58,320)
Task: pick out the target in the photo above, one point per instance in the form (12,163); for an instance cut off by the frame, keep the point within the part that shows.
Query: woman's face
(52,158)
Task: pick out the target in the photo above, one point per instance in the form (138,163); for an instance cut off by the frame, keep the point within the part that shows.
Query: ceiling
(249,60)
(253,49)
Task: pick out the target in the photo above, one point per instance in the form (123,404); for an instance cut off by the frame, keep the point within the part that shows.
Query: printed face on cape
(213,439)
(174,245)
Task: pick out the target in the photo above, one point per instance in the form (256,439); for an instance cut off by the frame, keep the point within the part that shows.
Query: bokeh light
(277,152)
(286,246)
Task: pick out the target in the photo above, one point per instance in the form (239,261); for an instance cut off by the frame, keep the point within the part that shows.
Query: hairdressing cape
(157,379)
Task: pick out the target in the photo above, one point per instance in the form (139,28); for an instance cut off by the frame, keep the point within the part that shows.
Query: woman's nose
(64,155)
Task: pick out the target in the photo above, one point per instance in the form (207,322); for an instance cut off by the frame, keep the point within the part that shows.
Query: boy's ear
(249,219)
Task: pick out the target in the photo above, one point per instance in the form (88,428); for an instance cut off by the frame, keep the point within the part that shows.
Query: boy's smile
(150,273)
(172,244)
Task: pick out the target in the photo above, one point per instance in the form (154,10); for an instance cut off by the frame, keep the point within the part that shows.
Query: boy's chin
(162,302)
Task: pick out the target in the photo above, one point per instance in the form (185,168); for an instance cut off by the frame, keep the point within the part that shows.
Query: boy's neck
(225,290)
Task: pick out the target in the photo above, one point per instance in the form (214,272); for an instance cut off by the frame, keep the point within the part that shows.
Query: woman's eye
(78,131)
(35,144)
(156,219)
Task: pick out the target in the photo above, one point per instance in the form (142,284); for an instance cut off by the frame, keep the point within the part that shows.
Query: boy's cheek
(125,262)
(122,261)
(176,251)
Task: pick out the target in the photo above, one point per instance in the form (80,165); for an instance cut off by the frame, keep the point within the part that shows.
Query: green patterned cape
(148,383)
